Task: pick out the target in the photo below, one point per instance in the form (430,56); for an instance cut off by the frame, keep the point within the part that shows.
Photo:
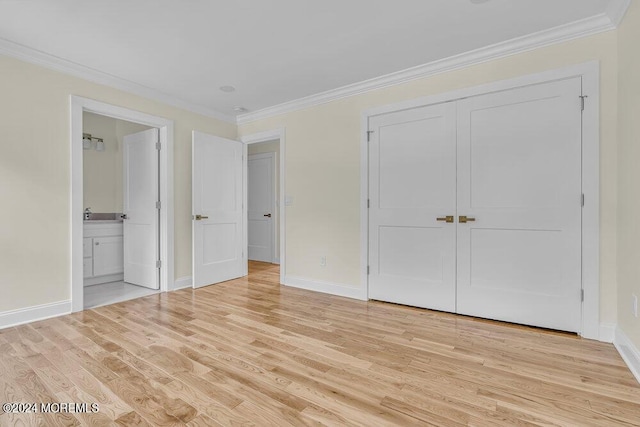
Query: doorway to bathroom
(121,218)
(121,210)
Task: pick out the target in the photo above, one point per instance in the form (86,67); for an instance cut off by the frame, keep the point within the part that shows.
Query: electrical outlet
(323,261)
(634,305)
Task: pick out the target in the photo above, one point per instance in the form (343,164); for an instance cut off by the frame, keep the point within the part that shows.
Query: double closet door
(476,204)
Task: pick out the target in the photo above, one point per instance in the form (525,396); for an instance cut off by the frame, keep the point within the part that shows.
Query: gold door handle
(201,217)
(465,219)
(448,219)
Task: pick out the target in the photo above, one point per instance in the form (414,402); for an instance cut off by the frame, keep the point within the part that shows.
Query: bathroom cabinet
(103,252)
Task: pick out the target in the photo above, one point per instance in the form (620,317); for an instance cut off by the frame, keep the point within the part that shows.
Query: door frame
(272,157)
(270,135)
(80,105)
(590,74)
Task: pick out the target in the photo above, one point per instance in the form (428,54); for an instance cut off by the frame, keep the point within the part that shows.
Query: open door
(218,226)
(140,209)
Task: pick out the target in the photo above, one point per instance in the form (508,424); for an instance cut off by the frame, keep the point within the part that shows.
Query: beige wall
(323,161)
(101,190)
(103,169)
(271,147)
(629,172)
(35,178)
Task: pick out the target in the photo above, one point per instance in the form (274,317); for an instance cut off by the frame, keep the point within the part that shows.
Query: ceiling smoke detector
(240,109)
(227,89)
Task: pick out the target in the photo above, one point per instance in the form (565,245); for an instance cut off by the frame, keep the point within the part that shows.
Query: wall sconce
(87,142)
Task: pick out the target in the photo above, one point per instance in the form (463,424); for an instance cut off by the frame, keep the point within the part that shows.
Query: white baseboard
(326,287)
(607,332)
(35,313)
(629,352)
(181,283)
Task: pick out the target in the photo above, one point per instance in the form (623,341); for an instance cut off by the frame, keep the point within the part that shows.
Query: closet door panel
(412,184)
(519,177)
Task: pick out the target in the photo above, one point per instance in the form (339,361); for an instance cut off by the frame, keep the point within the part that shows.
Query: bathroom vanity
(103,248)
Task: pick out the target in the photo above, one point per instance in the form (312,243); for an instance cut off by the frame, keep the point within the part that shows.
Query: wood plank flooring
(250,352)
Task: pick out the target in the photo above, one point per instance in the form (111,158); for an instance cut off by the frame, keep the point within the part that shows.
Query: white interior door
(261,206)
(141,192)
(412,184)
(218,234)
(519,176)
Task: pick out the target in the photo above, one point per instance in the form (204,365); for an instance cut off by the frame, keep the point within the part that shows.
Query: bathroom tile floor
(114,292)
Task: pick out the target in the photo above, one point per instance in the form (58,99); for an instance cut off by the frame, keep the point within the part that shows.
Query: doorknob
(448,219)
(464,219)
(267,215)
(201,217)
(124,216)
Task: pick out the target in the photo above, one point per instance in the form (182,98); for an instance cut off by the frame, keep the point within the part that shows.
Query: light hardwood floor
(251,352)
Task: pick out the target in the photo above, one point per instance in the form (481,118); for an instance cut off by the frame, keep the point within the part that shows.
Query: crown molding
(582,28)
(617,9)
(52,62)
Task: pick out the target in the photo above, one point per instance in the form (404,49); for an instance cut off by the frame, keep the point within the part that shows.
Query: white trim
(182,282)
(272,135)
(364,203)
(628,351)
(78,106)
(34,313)
(617,9)
(590,73)
(326,287)
(271,156)
(591,209)
(607,332)
(245,210)
(52,62)
(582,28)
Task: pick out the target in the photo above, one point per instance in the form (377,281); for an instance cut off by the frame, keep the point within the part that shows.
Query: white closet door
(412,183)
(519,176)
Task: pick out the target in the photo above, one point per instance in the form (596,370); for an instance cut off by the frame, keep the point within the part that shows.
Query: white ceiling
(272,51)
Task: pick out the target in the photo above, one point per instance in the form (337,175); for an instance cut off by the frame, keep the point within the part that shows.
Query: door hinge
(582,295)
(158,204)
(582,98)
(368,269)
(368,203)
(158,264)
(158,146)
(582,199)
(369,132)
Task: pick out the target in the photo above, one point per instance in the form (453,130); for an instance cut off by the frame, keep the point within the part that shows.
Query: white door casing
(519,176)
(78,106)
(412,157)
(217,185)
(261,206)
(141,223)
